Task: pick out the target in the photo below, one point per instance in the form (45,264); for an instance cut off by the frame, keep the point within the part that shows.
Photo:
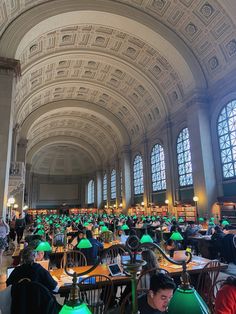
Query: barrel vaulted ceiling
(98,75)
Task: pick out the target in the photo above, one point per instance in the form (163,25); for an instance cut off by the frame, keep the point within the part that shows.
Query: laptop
(115,270)
(44,264)
(180,256)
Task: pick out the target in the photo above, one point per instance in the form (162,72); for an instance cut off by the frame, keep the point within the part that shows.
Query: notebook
(9,271)
(180,256)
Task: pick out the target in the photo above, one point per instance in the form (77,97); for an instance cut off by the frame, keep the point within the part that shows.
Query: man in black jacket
(33,271)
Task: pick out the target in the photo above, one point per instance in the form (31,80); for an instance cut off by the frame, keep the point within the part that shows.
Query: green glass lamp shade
(212,218)
(153,218)
(201,219)
(125,227)
(146,238)
(225,223)
(40,232)
(86,224)
(173,218)
(101,223)
(180,220)
(211,223)
(187,301)
(176,236)
(43,246)
(104,228)
(84,244)
(78,309)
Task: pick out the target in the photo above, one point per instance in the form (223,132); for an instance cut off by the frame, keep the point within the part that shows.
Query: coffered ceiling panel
(98,75)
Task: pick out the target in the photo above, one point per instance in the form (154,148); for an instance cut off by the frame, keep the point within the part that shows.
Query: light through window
(184,159)
(113,184)
(91,192)
(105,187)
(158,168)
(138,175)
(227,139)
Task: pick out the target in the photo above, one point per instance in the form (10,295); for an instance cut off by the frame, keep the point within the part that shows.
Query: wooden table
(194,267)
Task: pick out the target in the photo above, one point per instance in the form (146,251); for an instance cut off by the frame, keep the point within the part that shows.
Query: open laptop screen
(114,269)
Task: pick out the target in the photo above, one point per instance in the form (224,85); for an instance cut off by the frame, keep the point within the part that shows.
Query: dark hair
(231,280)
(150,258)
(28,255)
(161,281)
(89,234)
(218,229)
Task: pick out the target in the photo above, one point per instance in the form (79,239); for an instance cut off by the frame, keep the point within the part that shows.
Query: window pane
(105,187)
(226,127)
(91,192)
(158,168)
(138,175)
(113,184)
(184,158)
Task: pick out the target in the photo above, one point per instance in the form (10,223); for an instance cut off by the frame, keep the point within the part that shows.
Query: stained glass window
(138,175)
(184,159)
(227,139)
(113,184)
(105,187)
(158,168)
(91,192)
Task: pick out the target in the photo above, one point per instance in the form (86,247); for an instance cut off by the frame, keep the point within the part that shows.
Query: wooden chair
(213,293)
(113,255)
(126,305)
(96,291)
(207,279)
(144,278)
(73,259)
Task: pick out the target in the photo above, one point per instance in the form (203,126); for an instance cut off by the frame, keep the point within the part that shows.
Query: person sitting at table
(191,231)
(96,246)
(216,241)
(225,302)
(175,227)
(33,271)
(156,300)
(124,236)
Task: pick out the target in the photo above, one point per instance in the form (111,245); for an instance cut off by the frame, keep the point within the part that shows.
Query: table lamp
(43,246)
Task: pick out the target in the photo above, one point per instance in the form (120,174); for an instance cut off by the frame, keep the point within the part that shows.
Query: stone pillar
(21,149)
(108,172)
(202,155)
(169,164)
(118,183)
(27,184)
(146,175)
(126,178)
(9,70)
(20,156)
(99,189)
(14,142)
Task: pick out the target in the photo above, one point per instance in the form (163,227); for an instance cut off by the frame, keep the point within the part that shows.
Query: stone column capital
(8,65)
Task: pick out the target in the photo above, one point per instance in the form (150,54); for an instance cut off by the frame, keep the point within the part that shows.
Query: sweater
(225,302)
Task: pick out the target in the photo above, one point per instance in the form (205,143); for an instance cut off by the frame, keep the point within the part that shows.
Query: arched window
(138,175)
(91,192)
(158,168)
(227,139)
(184,159)
(113,184)
(104,187)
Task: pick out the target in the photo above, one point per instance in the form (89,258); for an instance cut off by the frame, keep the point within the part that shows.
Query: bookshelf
(187,212)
